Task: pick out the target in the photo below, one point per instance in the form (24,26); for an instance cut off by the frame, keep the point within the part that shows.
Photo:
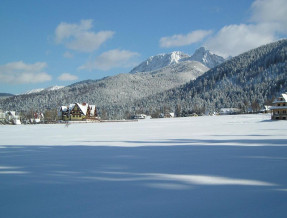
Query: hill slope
(116,90)
(247,81)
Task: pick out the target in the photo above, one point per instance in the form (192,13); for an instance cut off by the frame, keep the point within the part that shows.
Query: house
(279,108)
(37,118)
(78,112)
(9,117)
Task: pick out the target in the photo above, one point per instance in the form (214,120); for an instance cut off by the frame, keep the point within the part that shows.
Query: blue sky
(47,43)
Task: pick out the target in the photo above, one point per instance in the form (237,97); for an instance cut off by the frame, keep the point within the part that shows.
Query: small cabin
(279,108)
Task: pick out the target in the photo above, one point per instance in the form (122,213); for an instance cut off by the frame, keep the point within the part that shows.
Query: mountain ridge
(156,62)
(247,81)
(207,58)
(108,91)
(159,61)
(51,88)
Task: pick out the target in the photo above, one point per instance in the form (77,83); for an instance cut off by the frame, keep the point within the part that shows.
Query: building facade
(279,108)
(9,117)
(78,112)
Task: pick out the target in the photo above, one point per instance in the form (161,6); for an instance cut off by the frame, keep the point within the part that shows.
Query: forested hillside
(247,81)
(110,91)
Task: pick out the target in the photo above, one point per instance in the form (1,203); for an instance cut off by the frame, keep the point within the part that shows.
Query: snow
(206,57)
(159,61)
(52,88)
(210,166)
(34,91)
(163,60)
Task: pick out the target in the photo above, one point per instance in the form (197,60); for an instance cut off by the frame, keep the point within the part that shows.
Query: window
(278,104)
(284,112)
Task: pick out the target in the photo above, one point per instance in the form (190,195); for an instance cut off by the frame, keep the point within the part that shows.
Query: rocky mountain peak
(159,61)
(207,58)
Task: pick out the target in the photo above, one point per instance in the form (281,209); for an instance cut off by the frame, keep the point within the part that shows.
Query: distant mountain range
(175,82)
(5,95)
(163,60)
(161,73)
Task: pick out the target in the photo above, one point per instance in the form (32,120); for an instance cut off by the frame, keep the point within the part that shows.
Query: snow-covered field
(220,166)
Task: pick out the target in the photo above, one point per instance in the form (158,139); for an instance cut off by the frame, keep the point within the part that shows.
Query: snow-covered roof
(284,95)
(83,108)
(64,108)
(71,106)
(12,113)
(282,98)
(278,107)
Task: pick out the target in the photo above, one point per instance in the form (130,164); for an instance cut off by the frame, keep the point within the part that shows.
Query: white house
(9,117)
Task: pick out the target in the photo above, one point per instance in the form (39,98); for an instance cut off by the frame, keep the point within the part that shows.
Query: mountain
(205,57)
(163,60)
(5,95)
(34,91)
(155,75)
(52,88)
(110,91)
(247,81)
(159,61)
(180,85)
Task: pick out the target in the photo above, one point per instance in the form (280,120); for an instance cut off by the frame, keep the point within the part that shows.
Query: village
(84,112)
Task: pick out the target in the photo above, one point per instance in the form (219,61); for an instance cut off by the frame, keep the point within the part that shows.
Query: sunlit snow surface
(220,166)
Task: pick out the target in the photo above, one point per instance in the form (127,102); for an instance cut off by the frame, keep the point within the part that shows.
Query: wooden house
(279,108)
(78,112)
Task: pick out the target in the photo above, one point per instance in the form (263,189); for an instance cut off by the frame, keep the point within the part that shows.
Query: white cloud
(270,11)
(236,39)
(268,20)
(67,77)
(22,73)
(183,40)
(79,37)
(111,59)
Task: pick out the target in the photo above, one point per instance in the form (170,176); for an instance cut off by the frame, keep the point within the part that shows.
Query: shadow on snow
(155,181)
